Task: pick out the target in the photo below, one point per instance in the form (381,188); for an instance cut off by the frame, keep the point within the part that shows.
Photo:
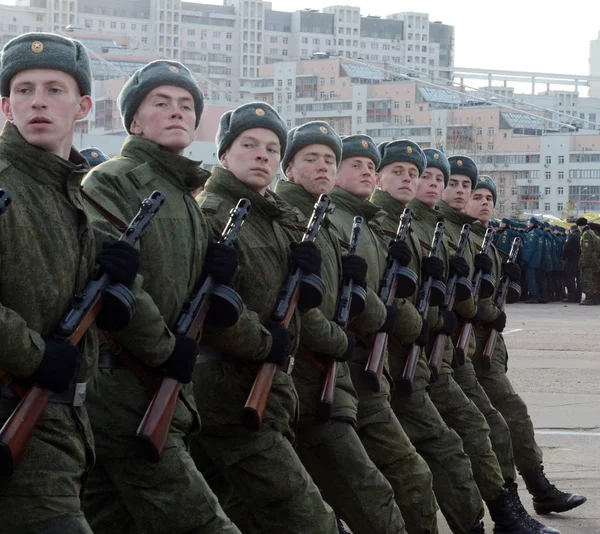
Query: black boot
(477,529)
(546,497)
(505,518)
(517,505)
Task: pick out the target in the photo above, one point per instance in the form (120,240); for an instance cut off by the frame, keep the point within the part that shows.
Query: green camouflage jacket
(320,335)
(172,252)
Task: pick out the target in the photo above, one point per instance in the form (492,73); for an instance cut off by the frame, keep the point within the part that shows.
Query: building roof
(521,120)
(364,72)
(440,96)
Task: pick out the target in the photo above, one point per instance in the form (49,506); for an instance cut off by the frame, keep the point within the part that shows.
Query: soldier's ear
(6,109)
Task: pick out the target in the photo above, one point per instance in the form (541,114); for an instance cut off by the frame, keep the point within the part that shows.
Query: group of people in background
(437,426)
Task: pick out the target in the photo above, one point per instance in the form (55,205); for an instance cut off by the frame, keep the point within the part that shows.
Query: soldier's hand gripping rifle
(429,286)
(508,292)
(397,281)
(456,286)
(351,301)
(295,289)
(86,305)
(483,287)
(225,303)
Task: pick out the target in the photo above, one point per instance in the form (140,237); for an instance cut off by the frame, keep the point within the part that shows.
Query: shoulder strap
(112,219)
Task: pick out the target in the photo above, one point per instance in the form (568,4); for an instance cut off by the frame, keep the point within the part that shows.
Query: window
(217,35)
(374,46)
(304,40)
(279,83)
(284,40)
(359,106)
(290,82)
(122,25)
(322,81)
(547,206)
(289,96)
(514,191)
(316,41)
(273,52)
(228,48)
(561,175)
(191,44)
(560,207)
(216,46)
(548,175)
(113,25)
(25,29)
(479,131)
(40,18)
(203,34)
(561,160)
(396,119)
(491,131)
(134,27)
(490,146)
(191,33)
(479,146)
(407,104)
(548,160)
(101,23)
(284,52)
(273,39)
(331,94)
(561,191)
(547,190)
(304,52)
(331,81)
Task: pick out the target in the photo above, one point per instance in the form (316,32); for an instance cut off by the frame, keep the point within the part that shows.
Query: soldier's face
(166,116)
(430,186)
(400,180)
(481,205)
(314,168)
(458,191)
(357,176)
(253,158)
(44,105)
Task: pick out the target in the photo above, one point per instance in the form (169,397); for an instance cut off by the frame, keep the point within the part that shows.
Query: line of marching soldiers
(163,397)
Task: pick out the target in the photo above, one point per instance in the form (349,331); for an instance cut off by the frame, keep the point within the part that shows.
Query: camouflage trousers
(527,454)
(462,415)
(335,457)
(442,449)
(43,493)
(589,280)
(394,455)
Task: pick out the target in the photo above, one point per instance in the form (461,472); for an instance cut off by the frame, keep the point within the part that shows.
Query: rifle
(501,298)
(285,306)
(85,307)
(387,293)
(437,352)
(154,428)
(423,301)
(342,314)
(465,332)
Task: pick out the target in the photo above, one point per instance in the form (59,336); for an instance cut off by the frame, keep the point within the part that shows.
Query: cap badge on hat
(260,112)
(409,149)
(323,129)
(364,144)
(483,179)
(436,156)
(459,163)
(37,47)
(173,68)
(94,154)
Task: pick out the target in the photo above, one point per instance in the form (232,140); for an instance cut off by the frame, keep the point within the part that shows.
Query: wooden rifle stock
(155,426)
(463,340)
(387,293)
(19,427)
(342,316)
(410,367)
(256,403)
(490,345)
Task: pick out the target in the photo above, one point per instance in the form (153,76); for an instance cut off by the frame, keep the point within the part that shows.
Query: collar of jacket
(455,216)
(298,197)
(422,212)
(388,203)
(40,165)
(479,230)
(351,203)
(182,172)
(224,184)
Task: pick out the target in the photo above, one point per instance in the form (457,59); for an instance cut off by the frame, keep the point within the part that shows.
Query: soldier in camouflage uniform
(527,454)
(277,493)
(589,264)
(45,82)
(331,450)
(378,427)
(161,106)
(462,180)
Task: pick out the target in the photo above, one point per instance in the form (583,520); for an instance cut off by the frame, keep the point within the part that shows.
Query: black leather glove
(354,267)
(390,320)
(182,361)
(281,345)
(512,270)
(58,366)
(307,256)
(221,262)
(459,267)
(499,323)
(423,338)
(351,346)
(400,251)
(483,263)
(114,315)
(434,267)
(120,261)
(450,322)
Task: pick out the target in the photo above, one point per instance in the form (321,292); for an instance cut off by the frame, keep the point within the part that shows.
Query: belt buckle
(80,394)
(289,365)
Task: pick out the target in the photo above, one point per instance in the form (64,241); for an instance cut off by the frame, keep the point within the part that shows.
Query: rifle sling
(111,218)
